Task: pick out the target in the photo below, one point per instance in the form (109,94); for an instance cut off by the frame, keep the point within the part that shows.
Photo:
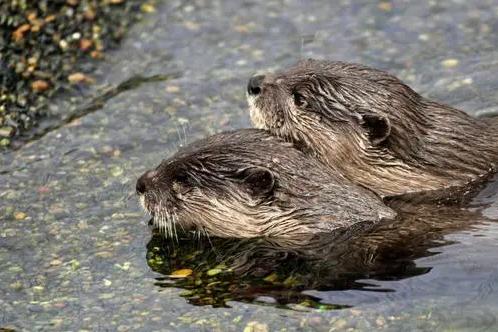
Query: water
(75,251)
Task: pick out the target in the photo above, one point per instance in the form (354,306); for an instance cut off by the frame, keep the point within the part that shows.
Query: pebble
(385,6)
(78,77)
(55,262)
(85,44)
(38,289)
(44,43)
(18,34)
(6,131)
(16,285)
(338,325)
(75,264)
(380,321)
(182,273)
(256,327)
(450,63)
(214,272)
(20,215)
(39,85)
(172,88)
(147,8)
(117,171)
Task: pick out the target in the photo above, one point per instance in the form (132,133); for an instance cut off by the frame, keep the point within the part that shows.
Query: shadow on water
(270,272)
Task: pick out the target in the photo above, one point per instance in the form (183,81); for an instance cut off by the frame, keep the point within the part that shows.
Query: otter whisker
(211,243)
(176,222)
(167,225)
(184,133)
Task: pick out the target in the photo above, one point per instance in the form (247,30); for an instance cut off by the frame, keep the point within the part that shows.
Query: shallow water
(75,251)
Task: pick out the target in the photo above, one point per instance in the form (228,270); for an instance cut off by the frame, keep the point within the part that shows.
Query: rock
(214,272)
(147,8)
(256,327)
(182,273)
(76,78)
(18,34)
(85,44)
(6,131)
(39,85)
(20,215)
(385,6)
(450,63)
(55,262)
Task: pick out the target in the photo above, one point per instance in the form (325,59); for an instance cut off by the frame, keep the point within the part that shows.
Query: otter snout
(145,182)
(254,85)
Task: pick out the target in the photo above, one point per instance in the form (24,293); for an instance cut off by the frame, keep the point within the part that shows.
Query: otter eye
(181,183)
(181,178)
(299,100)
(258,181)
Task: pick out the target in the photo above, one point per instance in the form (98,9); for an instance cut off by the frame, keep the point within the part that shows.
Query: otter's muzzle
(254,85)
(145,182)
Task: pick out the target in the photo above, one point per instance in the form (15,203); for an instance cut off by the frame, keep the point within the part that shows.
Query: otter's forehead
(315,68)
(232,150)
(244,142)
(310,67)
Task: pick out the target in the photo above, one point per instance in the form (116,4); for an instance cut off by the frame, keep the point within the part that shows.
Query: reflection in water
(214,271)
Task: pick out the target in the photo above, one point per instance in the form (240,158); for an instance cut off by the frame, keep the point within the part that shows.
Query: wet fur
(429,146)
(203,187)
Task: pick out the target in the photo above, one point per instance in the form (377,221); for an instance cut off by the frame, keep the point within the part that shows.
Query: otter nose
(254,86)
(144,182)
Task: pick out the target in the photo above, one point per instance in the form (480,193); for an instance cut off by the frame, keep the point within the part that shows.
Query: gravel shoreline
(52,47)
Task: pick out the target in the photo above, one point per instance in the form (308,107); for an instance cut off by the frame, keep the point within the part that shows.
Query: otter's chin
(262,119)
(146,205)
(257,116)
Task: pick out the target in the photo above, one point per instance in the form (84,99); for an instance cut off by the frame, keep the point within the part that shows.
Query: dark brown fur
(374,129)
(249,183)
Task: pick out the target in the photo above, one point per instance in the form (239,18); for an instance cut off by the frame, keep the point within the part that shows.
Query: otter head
(205,192)
(249,183)
(356,106)
(368,125)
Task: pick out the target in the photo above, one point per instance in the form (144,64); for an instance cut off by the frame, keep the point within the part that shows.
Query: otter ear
(378,127)
(258,180)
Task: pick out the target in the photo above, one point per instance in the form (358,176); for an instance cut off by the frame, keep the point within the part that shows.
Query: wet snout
(254,85)
(144,183)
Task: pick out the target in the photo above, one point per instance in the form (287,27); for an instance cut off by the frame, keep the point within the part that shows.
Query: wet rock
(6,131)
(76,78)
(85,44)
(449,63)
(63,35)
(18,34)
(39,85)
(255,326)
(20,215)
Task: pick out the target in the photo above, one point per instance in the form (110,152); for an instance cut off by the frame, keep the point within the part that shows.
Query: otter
(249,183)
(375,130)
